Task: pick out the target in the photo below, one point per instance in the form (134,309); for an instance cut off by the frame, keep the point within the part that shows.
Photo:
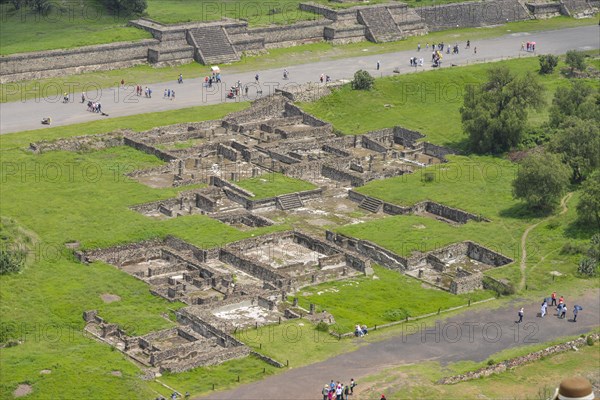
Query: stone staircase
(371,204)
(408,21)
(289,202)
(380,24)
(213,45)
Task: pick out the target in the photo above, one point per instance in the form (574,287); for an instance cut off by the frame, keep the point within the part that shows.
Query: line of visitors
(561,308)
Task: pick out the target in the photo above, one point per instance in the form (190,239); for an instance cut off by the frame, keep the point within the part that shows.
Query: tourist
(180,79)
(358,331)
(561,300)
(383,397)
(575,312)
(563,312)
(522,46)
(364,330)
(172,95)
(165,94)
(338,392)
(82,97)
(520,314)
(544,307)
(475,50)
(352,385)
(321,79)
(325,392)
(346,392)
(256,78)
(427,46)
(246,90)
(419,47)
(468,44)
(285,74)
(378,65)
(553,299)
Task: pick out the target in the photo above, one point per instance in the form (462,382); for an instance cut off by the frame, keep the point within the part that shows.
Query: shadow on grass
(580,230)
(522,211)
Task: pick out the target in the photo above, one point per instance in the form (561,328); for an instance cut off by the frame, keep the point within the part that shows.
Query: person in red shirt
(561,300)
(553,299)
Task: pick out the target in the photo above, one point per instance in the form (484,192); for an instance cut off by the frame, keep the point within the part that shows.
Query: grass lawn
(73,25)
(296,342)
(282,57)
(387,297)
(538,379)
(273,184)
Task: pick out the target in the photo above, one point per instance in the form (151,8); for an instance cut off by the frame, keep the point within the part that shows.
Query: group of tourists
(529,46)
(209,80)
(169,94)
(324,78)
(338,391)
(360,330)
(416,62)
(561,308)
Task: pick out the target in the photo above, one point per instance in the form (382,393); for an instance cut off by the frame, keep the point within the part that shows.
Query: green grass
(296,342)
(72,26)
(273,184)
(371,301)
(279,12)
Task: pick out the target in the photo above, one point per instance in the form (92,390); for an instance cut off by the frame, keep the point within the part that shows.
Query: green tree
(39,6)
(576,60)
(588,208)
(590,264)
(126,7)
(541,181)
(494,115)
(576,100)
(362,80)
(578,141)
(547,63)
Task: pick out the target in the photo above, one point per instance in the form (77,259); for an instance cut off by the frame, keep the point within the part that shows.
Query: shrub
(571,249)
(10,262)
(491,362)
(362,80)
(590,340)
(588,267)
(553,224)
(397,314)
(501,288)
(322,327)
(547,63)
(428,177)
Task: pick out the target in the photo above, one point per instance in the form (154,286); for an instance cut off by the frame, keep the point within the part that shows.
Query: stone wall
(487,256)
(123,254)
(251,267)
(51,63)
(466,284)
(80,143)
(290,35)
(406,137)
(163,155)
(517,361)
(472,14)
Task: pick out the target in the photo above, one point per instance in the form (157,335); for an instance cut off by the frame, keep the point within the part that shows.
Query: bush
(588,267)
(362,80)
(552,225)
(590,340)
(547,63)
(491,362)
(126,7)
(501,288)
(397,314)
(322,327)
(10,262)
(576,60)
(571,249)
(428,177)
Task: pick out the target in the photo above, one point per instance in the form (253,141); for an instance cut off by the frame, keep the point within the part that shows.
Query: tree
(39,6)
(578,141)
(126,7)
(362,80)
(590,264)
(10,261)
(547,63)
(541,181)
(494,115)
(576,60)
(588,208)
(577,100)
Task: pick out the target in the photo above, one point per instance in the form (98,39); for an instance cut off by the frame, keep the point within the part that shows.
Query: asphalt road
(117,102)
(472,335)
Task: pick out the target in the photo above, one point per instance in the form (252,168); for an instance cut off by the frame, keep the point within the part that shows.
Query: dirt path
(523,263)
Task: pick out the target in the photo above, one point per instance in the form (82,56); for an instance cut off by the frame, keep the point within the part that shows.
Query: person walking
(325,392)
(378,65)
(256,77)
(544,307)
(575,312)
(419,47)
(520,314)
(352,385)
(553,299)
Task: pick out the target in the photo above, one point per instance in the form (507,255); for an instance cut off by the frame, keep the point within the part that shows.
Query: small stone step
(371,204)
(289,201)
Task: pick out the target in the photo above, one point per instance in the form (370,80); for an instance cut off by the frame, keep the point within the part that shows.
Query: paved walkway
(117,102)
(472,335)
